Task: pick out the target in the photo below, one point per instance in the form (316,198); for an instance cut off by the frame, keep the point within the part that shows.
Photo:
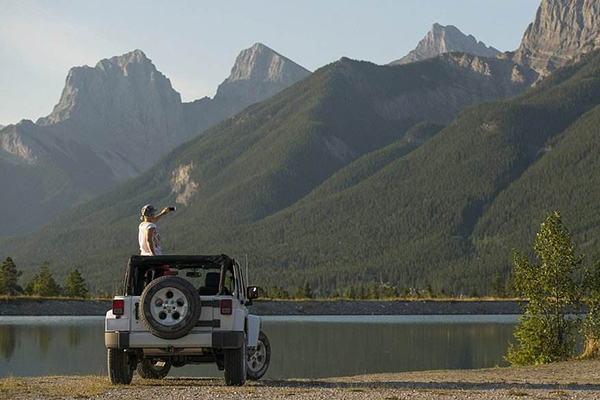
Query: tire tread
(119,372)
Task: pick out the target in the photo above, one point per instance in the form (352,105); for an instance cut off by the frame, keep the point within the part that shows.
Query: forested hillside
(263,161)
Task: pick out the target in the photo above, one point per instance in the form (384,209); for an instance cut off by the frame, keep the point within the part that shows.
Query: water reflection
(8,341)
(74,335)
(303,347)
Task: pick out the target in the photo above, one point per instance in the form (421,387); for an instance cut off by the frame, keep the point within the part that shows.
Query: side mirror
(252,292)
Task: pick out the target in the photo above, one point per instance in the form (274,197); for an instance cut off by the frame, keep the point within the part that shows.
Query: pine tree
(372,292)
(44,284)
(350,293)
(308,293)
(591,324)
(76,286)
(9,278)
(388,292)
(509,286)
(498,285)
(544,332)
(429,290)
(304,292)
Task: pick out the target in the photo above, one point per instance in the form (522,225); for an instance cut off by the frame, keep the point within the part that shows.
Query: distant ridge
(446,39)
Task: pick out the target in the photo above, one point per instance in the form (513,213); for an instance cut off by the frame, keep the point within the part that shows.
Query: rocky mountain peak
(258,73)
(562,30)
(130,79)
(446,39)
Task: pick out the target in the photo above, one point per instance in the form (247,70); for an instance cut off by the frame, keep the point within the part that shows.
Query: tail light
(118,307)
(226,307)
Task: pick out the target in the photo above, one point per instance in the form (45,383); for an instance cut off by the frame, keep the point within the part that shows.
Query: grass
(53,387)
(59,387)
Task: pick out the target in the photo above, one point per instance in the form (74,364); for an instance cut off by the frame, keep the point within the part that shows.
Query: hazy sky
(194,43)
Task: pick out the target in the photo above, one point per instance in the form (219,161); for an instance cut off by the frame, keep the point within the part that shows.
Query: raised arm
(163,212)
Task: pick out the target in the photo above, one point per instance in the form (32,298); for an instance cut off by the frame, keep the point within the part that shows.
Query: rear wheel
(120,370)
(153,369)
(235,365)
(259,359)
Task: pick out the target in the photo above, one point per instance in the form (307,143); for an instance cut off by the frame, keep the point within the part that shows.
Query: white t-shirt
(144,246)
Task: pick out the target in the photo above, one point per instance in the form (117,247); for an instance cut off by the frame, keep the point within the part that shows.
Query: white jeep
(179,310)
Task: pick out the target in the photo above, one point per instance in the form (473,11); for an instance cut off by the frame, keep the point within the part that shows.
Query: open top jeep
(179,310)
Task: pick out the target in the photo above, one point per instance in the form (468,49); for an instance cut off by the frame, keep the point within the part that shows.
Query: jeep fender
(239,320)
(253,330)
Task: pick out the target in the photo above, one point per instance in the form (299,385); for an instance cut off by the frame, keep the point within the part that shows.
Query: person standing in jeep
(148,235)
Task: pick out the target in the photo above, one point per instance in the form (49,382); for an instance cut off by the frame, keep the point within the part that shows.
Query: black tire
(151,369)
(235,366)
(120,371)
(259,359)
(175,319)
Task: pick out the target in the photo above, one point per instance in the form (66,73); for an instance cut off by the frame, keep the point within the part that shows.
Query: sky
(195,43)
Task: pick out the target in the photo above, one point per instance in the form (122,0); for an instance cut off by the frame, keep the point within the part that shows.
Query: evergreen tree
(361,292)
(544,332)
(44,284)
(372,292)
(429,290)
(304,291)
(9,278)
(76,286)
(591,325)
(498,289)
(335,294)
(509,286)
(388,292)
(350,293)
(308,293)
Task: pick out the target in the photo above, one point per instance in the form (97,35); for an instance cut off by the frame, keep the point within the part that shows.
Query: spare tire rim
(169,306)
(257,360)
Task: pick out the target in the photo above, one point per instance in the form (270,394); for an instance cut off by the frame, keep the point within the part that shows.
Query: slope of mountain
(562,30)
(274,153)
(114,121)
(449,212)
(446,39)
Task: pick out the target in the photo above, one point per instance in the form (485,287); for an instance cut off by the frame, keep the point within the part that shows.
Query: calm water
(303,347)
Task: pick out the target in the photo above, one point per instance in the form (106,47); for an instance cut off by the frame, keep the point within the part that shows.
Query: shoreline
(70,307)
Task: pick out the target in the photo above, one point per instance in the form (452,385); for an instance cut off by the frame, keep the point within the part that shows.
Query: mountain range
(423,172)
(112,122)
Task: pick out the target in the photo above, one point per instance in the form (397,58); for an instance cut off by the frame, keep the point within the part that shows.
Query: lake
(302,347)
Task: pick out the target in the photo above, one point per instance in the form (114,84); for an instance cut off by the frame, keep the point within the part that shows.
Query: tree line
(42,284)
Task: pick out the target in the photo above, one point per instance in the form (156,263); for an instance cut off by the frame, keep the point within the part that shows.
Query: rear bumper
(142,340)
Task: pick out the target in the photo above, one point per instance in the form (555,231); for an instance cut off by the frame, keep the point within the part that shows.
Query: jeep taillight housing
(118,307)
(226,307)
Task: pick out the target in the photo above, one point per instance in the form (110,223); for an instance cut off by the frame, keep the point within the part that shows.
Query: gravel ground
(569,380)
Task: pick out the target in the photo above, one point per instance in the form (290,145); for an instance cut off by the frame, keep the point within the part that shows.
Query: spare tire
(170,307)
